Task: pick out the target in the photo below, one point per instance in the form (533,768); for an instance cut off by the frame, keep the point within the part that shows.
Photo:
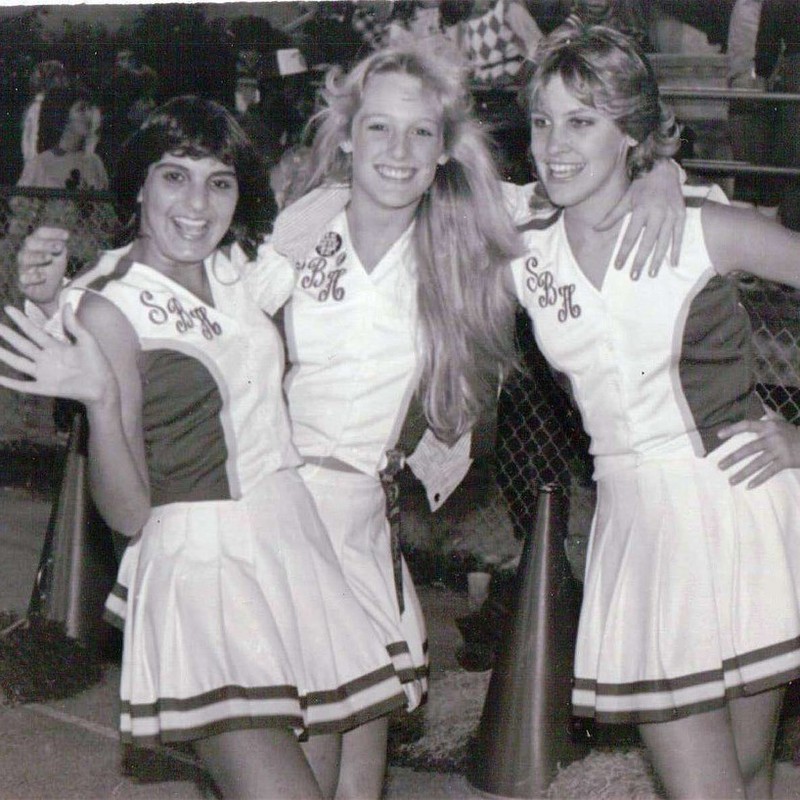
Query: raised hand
(776,447)
(41,264)
(74,367)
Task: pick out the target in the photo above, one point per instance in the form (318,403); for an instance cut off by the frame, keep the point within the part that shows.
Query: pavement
(69,749)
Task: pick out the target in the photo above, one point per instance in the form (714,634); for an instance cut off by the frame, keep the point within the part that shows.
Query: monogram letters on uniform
(183,318)
(324,270)
(543,284)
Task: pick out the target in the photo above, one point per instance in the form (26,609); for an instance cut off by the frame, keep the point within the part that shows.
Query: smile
(564,172)
(191,228)
(395,173)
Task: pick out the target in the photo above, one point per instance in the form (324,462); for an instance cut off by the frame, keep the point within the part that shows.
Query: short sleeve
(270,278)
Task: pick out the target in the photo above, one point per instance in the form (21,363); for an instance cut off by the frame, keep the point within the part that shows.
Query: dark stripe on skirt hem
(644,716)
(114,620)
(696,678)
(229,724)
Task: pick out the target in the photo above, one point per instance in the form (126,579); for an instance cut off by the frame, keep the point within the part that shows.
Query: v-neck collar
(597,289)
(387,258)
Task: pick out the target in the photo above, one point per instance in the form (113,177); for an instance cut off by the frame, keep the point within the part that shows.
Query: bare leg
(695,757)
(363,767)
(754,721)
(324,754)
(261,764)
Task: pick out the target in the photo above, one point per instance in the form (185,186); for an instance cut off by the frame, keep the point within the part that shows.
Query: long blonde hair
(463,235)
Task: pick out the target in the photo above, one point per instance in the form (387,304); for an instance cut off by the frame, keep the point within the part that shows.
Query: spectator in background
(777,62)
(630,17)
(66,124)
(749,123)
(46,75)
(498,38)
(127,99)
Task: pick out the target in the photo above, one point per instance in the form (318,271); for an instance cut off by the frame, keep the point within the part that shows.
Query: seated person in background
(45,76)
(66,122)
(498,38)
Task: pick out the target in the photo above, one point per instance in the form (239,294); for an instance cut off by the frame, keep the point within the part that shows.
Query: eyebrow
(175,165)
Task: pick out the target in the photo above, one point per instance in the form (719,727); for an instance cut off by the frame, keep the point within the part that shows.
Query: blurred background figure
(777,63)
(46,75)
(66,123)
(127,98)
(630,17)
(498,37)
(749,123)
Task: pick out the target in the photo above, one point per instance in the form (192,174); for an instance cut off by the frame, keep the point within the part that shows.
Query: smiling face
(187,205)
(580,152)
(397,141)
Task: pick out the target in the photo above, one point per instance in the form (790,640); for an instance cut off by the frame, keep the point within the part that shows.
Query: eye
(377,126)
(539,122)
(173,176)
(423,131)
(581,122)
(224,183)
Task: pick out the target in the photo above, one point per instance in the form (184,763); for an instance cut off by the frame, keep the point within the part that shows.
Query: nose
(398,144)
(556,140)
(197,195)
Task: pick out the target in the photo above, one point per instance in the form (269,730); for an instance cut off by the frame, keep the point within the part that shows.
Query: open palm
(74,367)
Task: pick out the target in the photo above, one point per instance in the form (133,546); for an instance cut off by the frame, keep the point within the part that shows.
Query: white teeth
(395,173)
(564,171)
(191,228)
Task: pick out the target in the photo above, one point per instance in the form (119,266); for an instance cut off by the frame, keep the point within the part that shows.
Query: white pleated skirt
(237,615)
(353,509)
(692,591)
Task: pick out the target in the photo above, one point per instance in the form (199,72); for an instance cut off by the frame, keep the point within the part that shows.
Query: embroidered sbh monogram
(184,319)
(548,293)
(323,271)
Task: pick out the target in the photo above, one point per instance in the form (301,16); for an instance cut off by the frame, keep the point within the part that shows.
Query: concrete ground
(68,749)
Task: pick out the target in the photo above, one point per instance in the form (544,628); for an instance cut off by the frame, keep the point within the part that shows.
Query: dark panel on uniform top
(716,364)
(182,403)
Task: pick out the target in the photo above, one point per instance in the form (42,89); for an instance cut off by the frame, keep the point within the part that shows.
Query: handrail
(711,93)
(10,190)
(737,167)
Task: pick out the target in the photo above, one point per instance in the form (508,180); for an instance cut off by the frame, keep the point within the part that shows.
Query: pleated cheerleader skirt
(691,594)
(353,509)
(237,615)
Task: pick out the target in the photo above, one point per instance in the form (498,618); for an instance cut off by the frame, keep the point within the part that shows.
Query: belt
(391,488)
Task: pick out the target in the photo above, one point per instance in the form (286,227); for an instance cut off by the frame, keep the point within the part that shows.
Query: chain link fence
(93,226)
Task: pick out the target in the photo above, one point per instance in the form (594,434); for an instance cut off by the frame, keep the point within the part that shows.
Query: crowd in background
(270,75)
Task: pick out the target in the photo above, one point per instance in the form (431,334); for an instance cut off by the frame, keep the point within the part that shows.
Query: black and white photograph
(400,399)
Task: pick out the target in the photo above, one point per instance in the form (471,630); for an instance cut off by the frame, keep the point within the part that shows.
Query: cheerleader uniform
(691,594)
(236,613)
(351,338)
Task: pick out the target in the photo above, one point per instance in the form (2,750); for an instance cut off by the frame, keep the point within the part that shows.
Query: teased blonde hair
(463,236)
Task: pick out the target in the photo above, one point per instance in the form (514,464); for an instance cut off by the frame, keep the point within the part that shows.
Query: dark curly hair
(199,128)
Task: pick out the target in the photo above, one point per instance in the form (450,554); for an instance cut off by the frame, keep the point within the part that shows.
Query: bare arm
(117,470)
(524,25)
(102,374)
(740,239)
